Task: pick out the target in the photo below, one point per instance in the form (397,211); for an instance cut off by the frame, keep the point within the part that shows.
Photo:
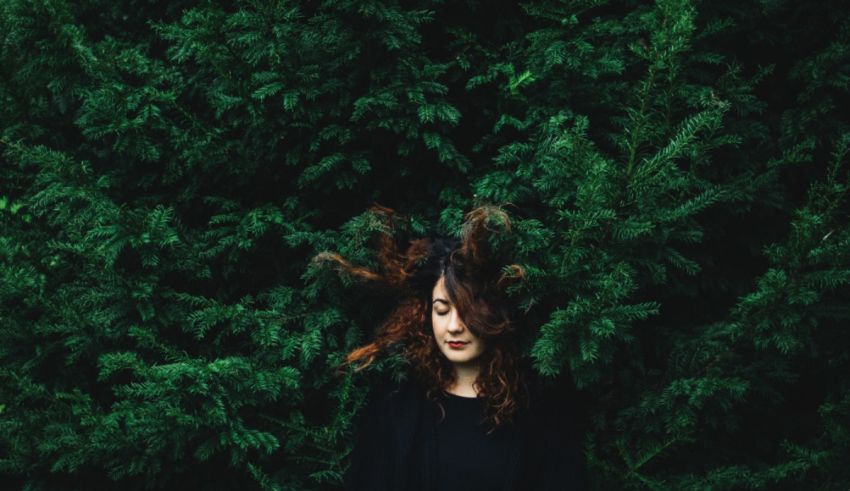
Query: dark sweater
(467,457)
(400,445)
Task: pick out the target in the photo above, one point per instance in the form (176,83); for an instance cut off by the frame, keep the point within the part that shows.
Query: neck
(465,375)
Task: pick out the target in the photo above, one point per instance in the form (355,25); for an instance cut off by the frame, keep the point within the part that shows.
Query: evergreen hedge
(676,173)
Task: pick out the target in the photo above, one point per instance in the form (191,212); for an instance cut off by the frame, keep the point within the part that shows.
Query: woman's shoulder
(549,395)
(389,393)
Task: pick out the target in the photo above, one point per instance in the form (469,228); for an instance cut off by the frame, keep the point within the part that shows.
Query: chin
(458,359)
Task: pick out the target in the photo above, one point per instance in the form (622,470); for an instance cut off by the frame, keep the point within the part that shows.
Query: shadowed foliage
(675,175)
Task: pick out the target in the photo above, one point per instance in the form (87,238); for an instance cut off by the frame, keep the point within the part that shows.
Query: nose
(456,325)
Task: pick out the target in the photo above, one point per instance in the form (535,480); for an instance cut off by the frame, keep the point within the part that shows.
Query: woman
(469,416)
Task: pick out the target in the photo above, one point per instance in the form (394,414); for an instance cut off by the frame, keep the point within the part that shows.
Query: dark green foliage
(676,173)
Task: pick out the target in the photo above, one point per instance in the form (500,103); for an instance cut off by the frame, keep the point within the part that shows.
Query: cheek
(479,347)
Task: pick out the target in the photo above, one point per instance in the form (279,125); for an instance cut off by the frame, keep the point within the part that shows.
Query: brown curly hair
(476,282)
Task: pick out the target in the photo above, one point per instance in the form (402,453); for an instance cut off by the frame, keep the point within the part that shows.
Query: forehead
(439,288)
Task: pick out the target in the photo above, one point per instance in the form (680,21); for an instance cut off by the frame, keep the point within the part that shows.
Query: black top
(467,457)
(401,445)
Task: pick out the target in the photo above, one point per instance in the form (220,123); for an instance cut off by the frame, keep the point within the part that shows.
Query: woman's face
(448,326)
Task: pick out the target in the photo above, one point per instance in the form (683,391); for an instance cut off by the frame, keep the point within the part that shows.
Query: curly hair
(476,283)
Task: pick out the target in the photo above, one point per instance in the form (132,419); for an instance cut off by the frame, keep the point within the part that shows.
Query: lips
(457,344)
